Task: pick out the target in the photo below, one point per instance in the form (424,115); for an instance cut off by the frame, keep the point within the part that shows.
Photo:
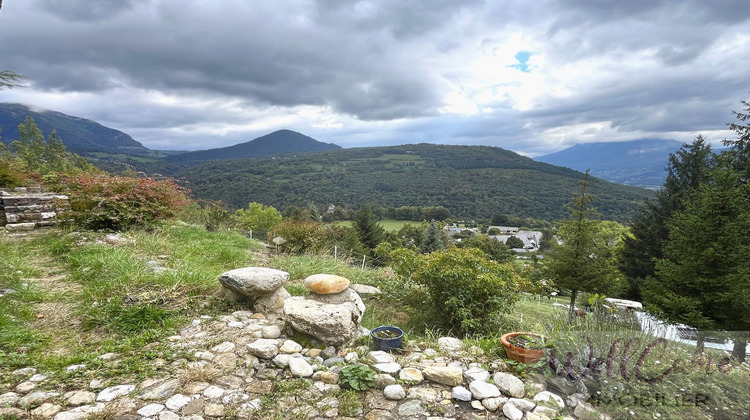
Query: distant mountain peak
(637,162)
(279,142)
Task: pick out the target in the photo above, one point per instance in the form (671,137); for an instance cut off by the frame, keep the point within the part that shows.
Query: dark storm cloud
(86,10)
(383,72)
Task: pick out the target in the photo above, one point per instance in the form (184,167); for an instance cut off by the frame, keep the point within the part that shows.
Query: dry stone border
(25,209)
(236,359)
(247,353)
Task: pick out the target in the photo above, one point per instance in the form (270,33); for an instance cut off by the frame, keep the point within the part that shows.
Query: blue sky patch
(523,61)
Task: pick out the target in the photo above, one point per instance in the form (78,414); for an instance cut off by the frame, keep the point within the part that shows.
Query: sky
(534,77)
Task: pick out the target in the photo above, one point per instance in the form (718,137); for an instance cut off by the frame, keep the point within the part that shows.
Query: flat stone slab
(253,281)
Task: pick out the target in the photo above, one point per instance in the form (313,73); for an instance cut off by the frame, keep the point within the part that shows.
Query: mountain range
(639,162)
(286,168)
(79,135)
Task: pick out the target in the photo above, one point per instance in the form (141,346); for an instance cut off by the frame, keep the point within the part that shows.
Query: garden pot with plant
(387,337)
(524,347)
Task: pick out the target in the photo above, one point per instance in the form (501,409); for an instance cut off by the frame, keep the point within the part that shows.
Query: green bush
(466,292)
(301,236)
(257,218)
(101,201)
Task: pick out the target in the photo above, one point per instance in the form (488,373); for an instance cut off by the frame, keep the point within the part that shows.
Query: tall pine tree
(584,261)
(687,169)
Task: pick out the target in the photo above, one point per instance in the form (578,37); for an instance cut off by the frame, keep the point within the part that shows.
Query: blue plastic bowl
(387,344)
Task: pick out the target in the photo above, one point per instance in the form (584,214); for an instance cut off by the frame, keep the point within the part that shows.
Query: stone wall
(29,208)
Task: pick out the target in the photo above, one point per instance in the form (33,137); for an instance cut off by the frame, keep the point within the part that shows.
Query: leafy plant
(301,236)
(101,201)
(465,291)
(528,341)
(357,376)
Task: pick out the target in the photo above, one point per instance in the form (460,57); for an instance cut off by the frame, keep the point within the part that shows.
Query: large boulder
(348,296)
(326,284)
(331,323)
(253,282)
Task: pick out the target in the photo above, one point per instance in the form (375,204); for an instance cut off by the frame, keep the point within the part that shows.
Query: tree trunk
(700,342)
(739,350)
(572,309)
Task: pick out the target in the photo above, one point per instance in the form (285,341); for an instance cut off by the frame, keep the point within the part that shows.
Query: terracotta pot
(520,354)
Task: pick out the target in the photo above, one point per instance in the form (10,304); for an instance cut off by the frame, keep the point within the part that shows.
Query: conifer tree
(432,241)
(368,229)
(687,169)
(584,259)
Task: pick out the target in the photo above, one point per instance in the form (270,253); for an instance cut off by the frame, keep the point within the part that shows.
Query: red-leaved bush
(100,201)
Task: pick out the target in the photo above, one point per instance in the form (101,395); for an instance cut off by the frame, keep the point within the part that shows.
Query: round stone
(326,284)
(394,392)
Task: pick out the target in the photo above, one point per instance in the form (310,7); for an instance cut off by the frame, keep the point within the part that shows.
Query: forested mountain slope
(471,181)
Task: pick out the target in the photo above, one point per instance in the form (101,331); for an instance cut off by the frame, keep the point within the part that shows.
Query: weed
(349,403)
(357,376)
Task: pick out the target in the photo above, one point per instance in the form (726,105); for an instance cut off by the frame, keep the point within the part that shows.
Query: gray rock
(300,368)
(150,410)
(213,392)
(13,413)
(160,390)
(521,404)
(476,374)
(330,323)
(46,411)
(9,398)
(24,371)
(264,348)
(450,345)
(481,390)
(410,408)
(512,412)
(382,380)
(37,398)
(394,392)
(177,401)
(364,290)
(509,384)
(550,399)
(253,281)
(332,361)
(25,387)
(109,394)
(168,415)
(282,360)
(492,404)
(271,331)
(460,393)
(348,296)
(328,352)
(272,303)
(448,375)
(224,347)
(411,376)
(574,399)
(381,357)
(389,368)
(290,347)
(75,398)
(39,377)
(425,393)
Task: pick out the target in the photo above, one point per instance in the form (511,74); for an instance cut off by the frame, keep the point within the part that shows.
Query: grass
(77,297)
(390,225)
